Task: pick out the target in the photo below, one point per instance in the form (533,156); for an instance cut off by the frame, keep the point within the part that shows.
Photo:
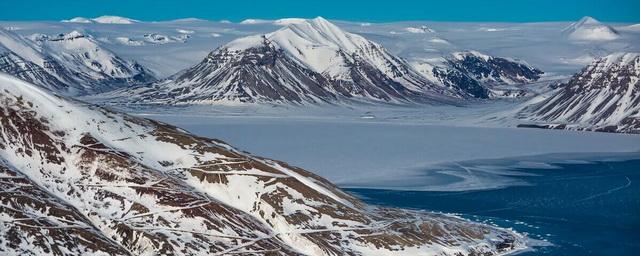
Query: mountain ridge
(71,63)
(308,62)
(604,96)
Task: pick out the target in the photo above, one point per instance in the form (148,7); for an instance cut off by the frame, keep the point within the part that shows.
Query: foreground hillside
(83,179)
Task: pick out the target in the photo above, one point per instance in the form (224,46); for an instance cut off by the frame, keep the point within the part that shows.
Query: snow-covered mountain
(305,62)
(106,19)
(590,29)
(494,70)
(502,77)
(110,19)
(80,179)
(604,96)
(540,44)
(69,63)
(479,75)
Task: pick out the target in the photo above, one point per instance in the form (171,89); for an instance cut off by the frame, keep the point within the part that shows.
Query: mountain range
(105,19)
(314,61)
(305,62)
(71,64)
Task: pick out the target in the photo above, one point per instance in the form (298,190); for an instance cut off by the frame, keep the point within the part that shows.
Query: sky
(352,10)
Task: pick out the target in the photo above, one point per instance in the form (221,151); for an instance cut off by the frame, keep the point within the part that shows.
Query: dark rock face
(480,76)
(263,73)
(604,96)
(494,70)
(453,78)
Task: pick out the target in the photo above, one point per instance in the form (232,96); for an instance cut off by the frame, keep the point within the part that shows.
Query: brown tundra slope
(80,179)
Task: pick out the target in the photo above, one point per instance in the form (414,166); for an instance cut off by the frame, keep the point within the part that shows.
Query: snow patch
(439,41)
(107,19)
(419,30)
(129,41)
(78,20)
(289,21)
(185,31)
(254,21)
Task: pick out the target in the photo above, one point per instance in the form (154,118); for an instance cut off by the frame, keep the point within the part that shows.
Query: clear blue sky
(360,10)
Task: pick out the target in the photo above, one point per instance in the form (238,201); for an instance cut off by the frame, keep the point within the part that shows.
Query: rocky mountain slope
(604,96)
(494,70)
(309,61)
(480,75)
(26,70)
(72,63)
(82,179)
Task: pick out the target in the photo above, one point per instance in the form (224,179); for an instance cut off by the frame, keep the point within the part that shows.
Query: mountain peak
(322,32)
(590,29)
(290,21)
(317,31)
(320,20)
(313,42)
(588,20)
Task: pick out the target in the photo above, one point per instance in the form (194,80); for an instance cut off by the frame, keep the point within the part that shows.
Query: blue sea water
(581,209)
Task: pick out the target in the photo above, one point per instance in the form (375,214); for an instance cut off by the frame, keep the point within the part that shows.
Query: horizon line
(267,20)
